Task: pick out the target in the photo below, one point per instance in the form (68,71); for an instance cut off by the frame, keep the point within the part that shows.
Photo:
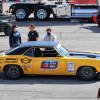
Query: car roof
(39,44)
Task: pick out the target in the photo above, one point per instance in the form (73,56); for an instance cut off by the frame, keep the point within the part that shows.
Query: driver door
(49,65)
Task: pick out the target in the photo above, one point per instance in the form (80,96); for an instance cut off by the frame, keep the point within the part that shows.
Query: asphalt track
(74,36)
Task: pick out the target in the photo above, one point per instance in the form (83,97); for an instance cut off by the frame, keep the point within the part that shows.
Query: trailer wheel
(42,13)
(21,13)
(7,28)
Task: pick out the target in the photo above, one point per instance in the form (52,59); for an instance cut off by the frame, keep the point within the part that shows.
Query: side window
(50,52)
(38,52)
(30,53)
(45,52)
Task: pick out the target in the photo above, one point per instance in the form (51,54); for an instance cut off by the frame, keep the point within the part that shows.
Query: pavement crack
(81,26)
(60,34)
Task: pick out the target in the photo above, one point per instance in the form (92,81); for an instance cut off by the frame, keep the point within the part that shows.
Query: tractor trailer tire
(41,13)
(21,12)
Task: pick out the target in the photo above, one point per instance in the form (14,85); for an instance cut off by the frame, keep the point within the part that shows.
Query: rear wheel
(13,71)
(87,73)
(7,28)
(42,13)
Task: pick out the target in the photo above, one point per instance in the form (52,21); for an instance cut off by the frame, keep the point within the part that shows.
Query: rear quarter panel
(16,60)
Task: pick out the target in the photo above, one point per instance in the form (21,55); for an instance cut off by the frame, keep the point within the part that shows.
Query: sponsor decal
(71,67)
(26,60)
(25,67)
(1,61)
(12,59)
(49,64)
(29,66)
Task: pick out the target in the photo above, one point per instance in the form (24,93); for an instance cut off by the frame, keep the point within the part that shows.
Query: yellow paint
(62,69)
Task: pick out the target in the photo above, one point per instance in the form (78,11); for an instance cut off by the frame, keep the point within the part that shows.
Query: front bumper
(7,18)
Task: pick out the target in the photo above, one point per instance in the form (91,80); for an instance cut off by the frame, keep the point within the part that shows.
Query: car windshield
(62,50)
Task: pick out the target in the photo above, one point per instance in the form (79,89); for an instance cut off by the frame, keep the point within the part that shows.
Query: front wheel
(87,73)
(42,13)
(13,71)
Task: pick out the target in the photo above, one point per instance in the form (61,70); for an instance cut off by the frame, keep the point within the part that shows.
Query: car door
(49,65)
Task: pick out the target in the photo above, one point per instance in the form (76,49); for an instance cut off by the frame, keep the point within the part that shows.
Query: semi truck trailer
(59,9)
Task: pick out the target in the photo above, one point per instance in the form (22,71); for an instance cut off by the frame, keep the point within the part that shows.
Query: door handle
(35,60)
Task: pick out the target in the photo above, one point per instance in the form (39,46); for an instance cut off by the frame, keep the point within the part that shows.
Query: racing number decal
(49,64)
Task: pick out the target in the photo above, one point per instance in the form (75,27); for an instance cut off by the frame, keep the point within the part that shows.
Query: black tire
(98,23)
(7,28)
(9,72)
(98,20)
(46,9)
(24,9)
(87,73)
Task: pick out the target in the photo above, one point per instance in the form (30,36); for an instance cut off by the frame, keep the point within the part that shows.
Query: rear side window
(17,51)
(29,53)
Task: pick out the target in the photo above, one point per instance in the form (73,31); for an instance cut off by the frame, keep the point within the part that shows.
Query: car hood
(84,54)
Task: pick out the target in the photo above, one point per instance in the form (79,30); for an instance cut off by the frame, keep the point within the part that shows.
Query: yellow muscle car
(48,58)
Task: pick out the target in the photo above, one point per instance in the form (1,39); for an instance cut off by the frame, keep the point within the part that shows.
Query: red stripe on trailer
(17,0)
(33,0)
(82,1)
(3,0)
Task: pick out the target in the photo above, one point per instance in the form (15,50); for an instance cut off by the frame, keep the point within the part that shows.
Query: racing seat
(38,52)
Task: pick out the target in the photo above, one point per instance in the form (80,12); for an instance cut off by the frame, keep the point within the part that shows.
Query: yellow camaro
(48,58)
